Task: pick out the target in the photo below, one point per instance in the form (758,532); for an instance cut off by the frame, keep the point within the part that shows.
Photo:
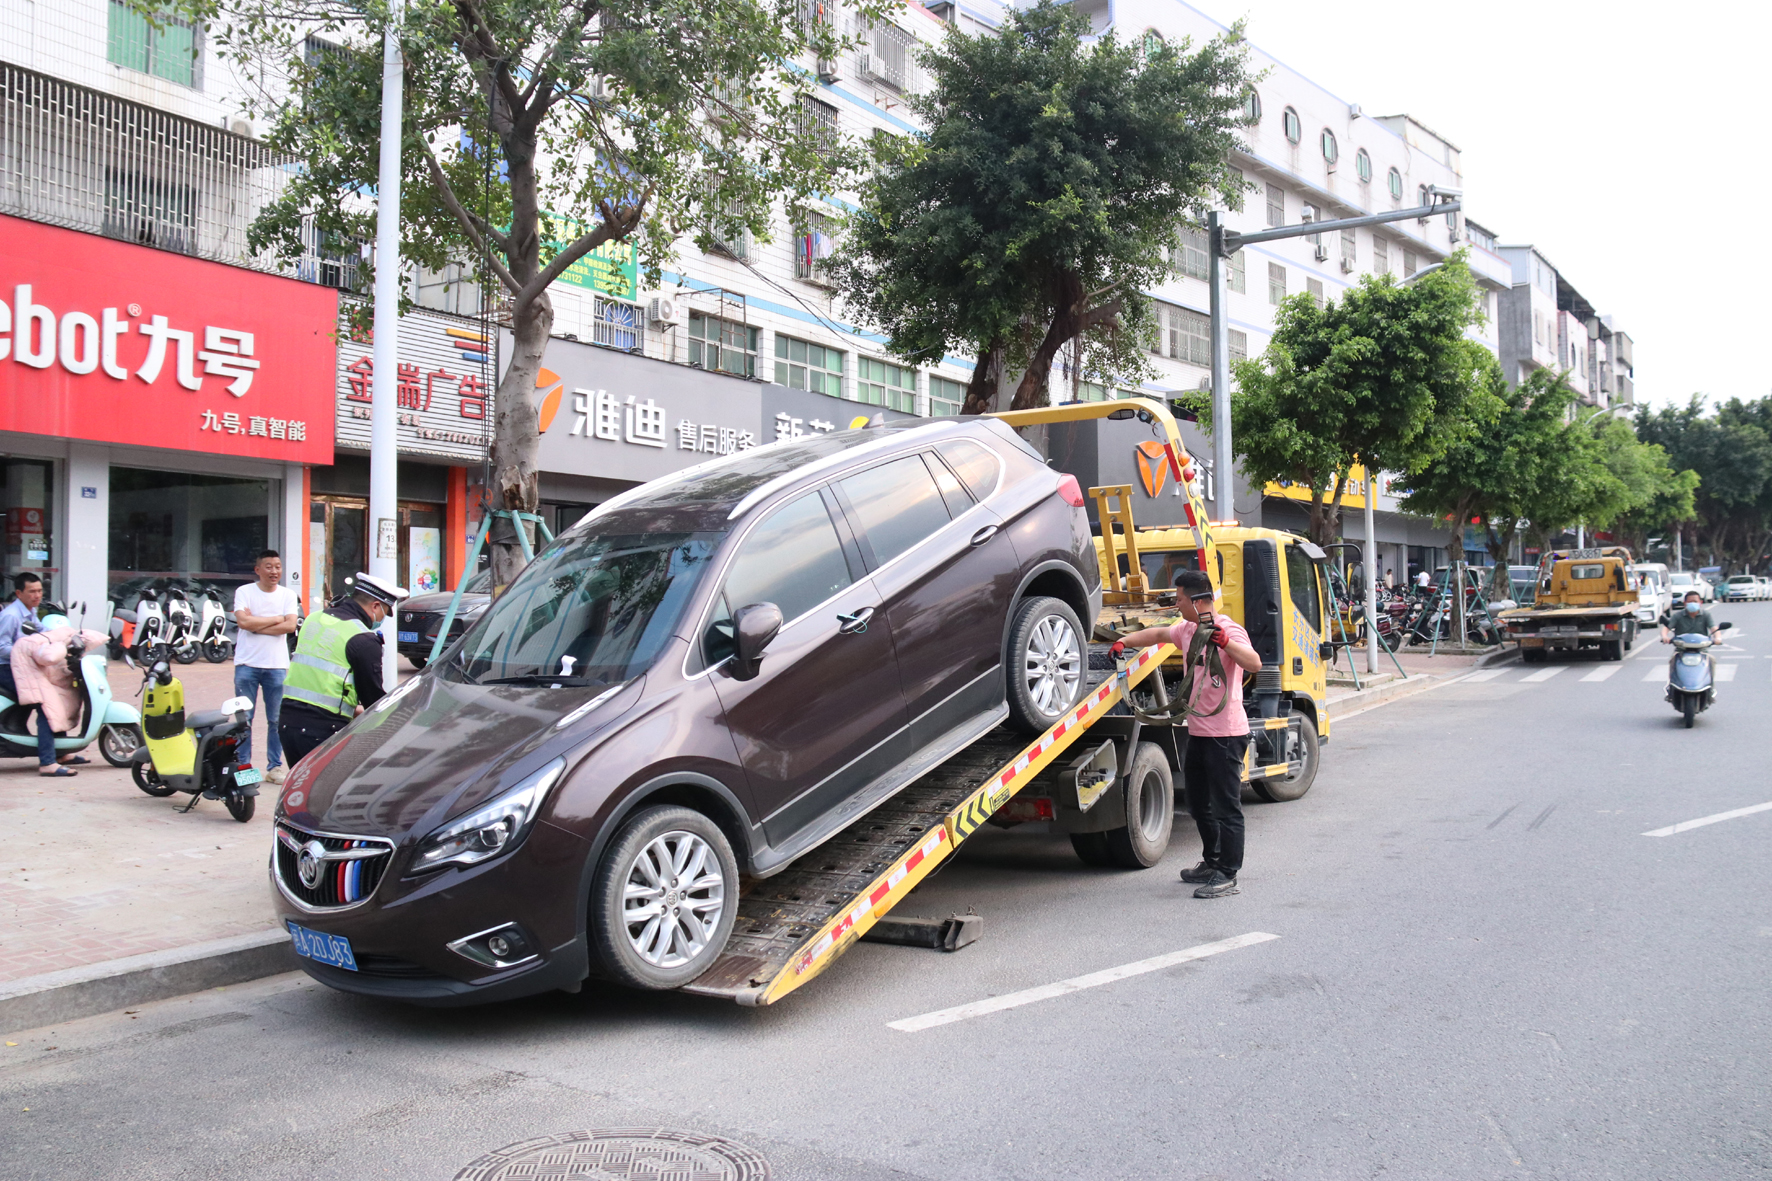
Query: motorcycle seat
(208,718)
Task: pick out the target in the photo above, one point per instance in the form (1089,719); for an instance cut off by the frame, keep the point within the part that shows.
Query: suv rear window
(976,466)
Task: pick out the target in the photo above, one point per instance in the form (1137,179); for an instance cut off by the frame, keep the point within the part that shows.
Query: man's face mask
(1693,608)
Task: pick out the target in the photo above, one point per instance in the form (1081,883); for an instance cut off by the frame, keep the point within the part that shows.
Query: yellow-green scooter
(196,754)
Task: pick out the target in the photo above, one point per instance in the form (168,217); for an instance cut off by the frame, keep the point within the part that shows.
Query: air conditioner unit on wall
(1347,265)
(662,311)
(875,65)
(827,69)
(1322,252)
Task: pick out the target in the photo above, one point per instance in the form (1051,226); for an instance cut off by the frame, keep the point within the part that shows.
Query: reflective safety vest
(319,674)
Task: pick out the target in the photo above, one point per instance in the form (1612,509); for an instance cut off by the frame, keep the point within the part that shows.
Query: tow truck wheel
(1150,813)
(1290,787)
(665,899)
(1531,655)
(1611,649)
(1047,660)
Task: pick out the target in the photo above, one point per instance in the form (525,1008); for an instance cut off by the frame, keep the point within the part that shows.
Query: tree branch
(470,223)
(614,226)
(547,71)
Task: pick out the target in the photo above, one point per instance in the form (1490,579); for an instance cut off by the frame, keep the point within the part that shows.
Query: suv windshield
(607,602)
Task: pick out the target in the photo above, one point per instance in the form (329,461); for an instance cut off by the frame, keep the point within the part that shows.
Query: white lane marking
(1657,673)
(1543,674)
(1488,674)
(1075,984)
(1684,825)
(1601,673)
(1726,672)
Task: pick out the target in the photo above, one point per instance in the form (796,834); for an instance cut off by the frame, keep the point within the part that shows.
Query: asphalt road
(1482,969)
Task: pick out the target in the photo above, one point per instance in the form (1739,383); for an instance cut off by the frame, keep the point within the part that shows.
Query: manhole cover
(617,1154)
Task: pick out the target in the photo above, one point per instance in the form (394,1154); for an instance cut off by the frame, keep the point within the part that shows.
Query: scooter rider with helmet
(1692,617)
(335,673)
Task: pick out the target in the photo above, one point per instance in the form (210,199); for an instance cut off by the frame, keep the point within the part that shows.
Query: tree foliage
(1054,177)
(1730,450)
(535,132)
(1383,376)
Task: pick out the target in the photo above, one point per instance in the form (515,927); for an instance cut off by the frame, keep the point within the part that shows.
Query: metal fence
(80,158)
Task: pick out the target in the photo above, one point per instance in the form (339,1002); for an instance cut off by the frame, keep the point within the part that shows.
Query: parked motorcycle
(140,633)
(181,626)
(114,725)
(195,754)
(212,630)
(1692,675)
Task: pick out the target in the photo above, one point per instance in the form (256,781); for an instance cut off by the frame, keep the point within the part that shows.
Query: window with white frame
(1381,256)
(165,46)
(726,345)
(945,396)
(1331,149)
(1183,334)
(1363,166)
(1235,277)
(1252,105)
(881,383)
(1291,126)
(1348,247)
(1189,256)
(802,365)
(1276,282)
(814,243)
(1409,263)
(1395,181)
(1276,205)
(1239,344)
(1315,287)
(818,123)
(617,325)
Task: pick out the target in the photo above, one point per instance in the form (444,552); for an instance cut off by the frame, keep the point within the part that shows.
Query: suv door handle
(984,535)
(856,623)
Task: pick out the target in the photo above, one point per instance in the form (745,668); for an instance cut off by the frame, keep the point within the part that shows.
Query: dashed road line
(1717,818)
(1726,672)
(1046,992)
(1601,673)
(1488,674)
(1655,674)
(1543,674)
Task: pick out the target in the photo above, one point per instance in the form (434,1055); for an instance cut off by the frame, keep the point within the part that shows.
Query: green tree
(1383,376)
(537,131)
(1731,452)
(1050,187)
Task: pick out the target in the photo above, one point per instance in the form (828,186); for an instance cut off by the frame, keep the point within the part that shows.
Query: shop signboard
(611,268)
(119,343)
(443,388)
(790,413)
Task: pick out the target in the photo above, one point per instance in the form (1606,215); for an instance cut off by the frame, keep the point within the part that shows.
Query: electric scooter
(212,630)
(1692,675)
(114,725)
(181,626)
(140,633)
(196,754)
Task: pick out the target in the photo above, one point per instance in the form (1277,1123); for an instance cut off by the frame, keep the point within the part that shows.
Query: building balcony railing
(80,158)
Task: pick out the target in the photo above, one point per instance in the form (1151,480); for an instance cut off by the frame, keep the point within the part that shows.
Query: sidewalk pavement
(110,897)
(92,870)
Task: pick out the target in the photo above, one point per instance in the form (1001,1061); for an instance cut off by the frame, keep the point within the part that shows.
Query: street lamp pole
(1222,243)
(384,513)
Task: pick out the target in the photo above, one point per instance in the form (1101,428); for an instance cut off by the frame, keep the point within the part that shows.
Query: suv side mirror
(753,627)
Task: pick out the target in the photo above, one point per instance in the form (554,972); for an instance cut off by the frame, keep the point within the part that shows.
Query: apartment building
(1546,323)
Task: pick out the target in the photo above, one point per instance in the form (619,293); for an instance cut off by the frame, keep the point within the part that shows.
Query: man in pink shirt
(1218,732)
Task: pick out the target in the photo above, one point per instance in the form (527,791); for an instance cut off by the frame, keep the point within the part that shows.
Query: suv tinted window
(897,505)
(792,559)
(958,500)
(976,466)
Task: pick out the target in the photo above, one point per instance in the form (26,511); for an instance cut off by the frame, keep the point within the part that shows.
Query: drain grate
(617,1154)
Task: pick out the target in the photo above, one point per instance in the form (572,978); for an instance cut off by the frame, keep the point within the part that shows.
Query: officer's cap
(377,588)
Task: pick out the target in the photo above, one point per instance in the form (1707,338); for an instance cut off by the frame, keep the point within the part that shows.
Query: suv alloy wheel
(1047,658)
(665,898)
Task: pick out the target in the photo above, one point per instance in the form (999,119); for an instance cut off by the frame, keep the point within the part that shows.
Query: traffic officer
(335,673)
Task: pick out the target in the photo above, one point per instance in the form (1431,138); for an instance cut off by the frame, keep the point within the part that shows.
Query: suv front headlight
(490,829)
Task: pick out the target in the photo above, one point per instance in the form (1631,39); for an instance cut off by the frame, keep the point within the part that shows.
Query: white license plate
(409,637)
(247,776)
(321,947)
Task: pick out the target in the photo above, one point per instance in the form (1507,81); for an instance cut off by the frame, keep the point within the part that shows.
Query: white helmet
(377,588)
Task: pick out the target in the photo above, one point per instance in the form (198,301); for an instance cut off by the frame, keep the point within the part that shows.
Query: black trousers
(302,729)
(1212,771)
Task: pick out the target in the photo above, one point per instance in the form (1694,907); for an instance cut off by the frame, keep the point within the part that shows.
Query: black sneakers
(1217,886)
(1200,873)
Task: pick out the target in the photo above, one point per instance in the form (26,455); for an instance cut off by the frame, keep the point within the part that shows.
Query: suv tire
(668,940)
(1047,665)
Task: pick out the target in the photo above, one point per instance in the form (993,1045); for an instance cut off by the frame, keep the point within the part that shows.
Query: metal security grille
(80,158)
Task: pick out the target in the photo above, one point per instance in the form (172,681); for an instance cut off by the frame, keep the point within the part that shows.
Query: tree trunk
(516,439)
(981,391)
(1500,581)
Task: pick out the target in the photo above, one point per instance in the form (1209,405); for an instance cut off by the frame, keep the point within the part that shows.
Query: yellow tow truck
(1587,598)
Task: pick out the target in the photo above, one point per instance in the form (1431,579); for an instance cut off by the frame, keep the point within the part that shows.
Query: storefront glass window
(26,496)
(169,528)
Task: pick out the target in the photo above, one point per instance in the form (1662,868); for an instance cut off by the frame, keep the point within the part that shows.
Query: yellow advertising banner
(1353,498)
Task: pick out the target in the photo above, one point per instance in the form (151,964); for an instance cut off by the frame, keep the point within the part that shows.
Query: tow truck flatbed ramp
(793,925)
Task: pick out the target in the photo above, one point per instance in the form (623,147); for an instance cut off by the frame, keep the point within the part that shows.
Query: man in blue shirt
(28,595)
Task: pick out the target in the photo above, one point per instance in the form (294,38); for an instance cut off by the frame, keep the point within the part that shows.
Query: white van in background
(1654,596)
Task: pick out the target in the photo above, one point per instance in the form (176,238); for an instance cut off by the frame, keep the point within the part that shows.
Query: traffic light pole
(1225,242)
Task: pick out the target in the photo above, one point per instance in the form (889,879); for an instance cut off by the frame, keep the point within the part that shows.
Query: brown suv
(706,677)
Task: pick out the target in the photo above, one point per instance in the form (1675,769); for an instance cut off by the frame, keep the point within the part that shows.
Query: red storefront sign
(119,343)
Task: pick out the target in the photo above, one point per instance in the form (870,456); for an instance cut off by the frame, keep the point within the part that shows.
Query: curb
(92,989)
(1362,700)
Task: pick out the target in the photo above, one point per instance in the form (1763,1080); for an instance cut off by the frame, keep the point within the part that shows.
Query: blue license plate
(246,776)
(326,949)
(409,637)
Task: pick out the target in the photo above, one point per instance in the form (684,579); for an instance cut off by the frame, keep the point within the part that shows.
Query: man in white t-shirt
(266,612)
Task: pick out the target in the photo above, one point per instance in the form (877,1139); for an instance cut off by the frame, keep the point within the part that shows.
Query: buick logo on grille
(310,864)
